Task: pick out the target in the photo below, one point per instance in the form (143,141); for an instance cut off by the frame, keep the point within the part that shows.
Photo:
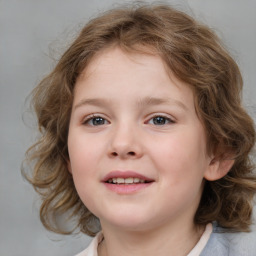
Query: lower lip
(127,189)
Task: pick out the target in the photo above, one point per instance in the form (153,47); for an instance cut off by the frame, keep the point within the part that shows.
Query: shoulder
(224,242)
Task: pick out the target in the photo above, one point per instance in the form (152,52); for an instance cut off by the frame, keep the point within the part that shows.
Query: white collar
(93,247)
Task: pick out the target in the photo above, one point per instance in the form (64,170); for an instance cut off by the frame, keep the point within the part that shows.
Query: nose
(125,143)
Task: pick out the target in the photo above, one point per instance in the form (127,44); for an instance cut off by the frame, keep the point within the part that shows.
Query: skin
(130,113)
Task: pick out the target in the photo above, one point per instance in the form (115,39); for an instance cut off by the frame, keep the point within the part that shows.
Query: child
(143,130)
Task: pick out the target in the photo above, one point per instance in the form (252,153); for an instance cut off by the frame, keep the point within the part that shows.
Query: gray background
(32,34)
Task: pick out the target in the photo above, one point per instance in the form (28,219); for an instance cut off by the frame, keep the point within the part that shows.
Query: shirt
(215,241)
(92,248)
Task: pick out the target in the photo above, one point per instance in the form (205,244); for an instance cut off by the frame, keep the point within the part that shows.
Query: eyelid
(166,116)
(89,117)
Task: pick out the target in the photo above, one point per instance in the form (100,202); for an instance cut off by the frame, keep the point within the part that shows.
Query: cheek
(84,150)
(180,172)
(181,155)
(83,163)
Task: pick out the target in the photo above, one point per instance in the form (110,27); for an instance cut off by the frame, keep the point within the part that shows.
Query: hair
(194,54)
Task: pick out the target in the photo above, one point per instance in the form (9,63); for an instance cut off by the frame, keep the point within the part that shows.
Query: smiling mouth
(126,181)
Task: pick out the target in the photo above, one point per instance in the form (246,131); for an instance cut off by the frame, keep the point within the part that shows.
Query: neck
(178,240)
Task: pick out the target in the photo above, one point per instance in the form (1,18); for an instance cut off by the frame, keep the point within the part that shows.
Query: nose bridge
(125,140)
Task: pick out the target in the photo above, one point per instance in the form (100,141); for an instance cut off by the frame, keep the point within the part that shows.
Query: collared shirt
(223,242)
(92,249)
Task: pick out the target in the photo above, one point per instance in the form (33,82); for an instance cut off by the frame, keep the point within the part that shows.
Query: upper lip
(125,175)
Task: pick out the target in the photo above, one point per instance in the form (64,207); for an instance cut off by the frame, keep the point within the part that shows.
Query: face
(137,148)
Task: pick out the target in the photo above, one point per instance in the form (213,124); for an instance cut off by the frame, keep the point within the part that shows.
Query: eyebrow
(151,101)
(148,101)
(94,102)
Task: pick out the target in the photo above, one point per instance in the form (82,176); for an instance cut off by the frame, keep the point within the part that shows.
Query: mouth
(126,181)
(126,178)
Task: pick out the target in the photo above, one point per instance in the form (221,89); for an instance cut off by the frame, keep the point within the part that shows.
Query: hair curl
(195,55)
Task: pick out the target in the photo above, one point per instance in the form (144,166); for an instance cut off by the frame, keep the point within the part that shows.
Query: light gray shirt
(222,242)
(215,241)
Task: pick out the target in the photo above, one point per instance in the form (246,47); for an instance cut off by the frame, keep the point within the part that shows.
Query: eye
(95,121)
(160,120)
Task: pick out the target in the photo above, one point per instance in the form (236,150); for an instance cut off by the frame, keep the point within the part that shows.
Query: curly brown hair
(195,55)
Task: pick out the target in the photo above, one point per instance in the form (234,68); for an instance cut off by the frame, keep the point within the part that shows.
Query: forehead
(105,58)
(140,58)
(114,73)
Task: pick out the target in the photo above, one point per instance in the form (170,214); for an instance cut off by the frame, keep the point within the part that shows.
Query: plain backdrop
(32,34)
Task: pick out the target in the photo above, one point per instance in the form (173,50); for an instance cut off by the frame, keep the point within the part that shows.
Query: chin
(128,221)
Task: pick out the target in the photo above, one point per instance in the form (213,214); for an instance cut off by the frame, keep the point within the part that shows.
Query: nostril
(131,153)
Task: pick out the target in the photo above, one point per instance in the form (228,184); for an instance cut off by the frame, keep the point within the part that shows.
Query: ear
(218,168)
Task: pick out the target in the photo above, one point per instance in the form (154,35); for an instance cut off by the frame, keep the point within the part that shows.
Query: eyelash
(92,117)
(167,118)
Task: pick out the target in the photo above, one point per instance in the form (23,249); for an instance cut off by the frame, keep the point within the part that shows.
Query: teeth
(128,181)
(119,180)
(136,180)
(125,181)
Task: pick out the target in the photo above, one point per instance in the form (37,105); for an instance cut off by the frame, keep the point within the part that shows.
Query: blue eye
(160,120)
(95,121)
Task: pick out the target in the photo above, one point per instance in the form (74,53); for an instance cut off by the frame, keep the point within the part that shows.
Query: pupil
(159,120)
(98,121)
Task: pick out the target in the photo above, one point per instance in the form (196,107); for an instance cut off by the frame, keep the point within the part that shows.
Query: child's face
(130,120)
